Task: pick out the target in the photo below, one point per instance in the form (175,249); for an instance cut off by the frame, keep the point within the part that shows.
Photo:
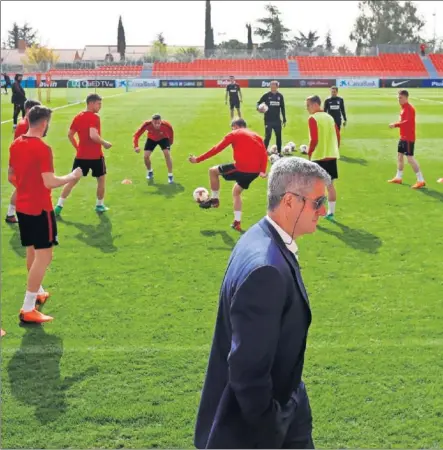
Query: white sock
(41,290)
(61,202)
(11,210)
(215,194)
(150,171)
(170,175)
(29,303)
(420,177)
(237,216)
(399,174)
(331,207)
(100,202)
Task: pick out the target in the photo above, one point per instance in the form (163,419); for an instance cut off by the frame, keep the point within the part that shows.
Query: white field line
(77,103)
(427,100)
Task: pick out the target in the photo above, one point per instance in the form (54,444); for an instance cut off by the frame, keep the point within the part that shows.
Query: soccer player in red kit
(86,125)
(160,132)
(30,161)
(251,161)
(407,141)
(21,129)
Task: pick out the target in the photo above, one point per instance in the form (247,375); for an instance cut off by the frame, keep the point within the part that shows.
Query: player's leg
(99,172)
(67,189)
(231,110)
(398,179)
(268,134)
(15,114)
(166,147)
(237,200)
(10,216)
(278,130)
(238,110)
(214,180)
(22,109)
(416,168)
(332,200)
(149,148)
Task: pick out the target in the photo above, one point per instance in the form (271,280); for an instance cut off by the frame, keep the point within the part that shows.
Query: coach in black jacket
(253,396)
(18,98)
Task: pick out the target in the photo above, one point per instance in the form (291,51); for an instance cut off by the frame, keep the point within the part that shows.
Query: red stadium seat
(437,60)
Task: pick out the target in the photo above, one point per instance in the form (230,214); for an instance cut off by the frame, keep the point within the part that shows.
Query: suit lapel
(289,256)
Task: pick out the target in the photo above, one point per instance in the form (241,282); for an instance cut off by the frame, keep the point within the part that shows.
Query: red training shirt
(165,131)
(22,128)
(249,151)
(313,129)
(29,157)
(407,123)
(87,148)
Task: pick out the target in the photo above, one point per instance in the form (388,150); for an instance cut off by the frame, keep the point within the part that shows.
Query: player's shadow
(166,189)
(16,243)
(431,193)
(228,240)
(357,239)
(350,160)
(98,236)
(34,374)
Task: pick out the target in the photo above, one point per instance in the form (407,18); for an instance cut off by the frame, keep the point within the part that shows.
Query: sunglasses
(316,203)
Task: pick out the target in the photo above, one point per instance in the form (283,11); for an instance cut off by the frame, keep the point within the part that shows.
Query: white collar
(292,247)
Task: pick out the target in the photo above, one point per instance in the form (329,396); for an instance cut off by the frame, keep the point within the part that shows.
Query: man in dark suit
(253,396)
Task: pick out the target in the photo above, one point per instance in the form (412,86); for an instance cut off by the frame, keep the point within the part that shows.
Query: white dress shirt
(292,247)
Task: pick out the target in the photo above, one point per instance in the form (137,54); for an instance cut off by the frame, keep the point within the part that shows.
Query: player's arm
(283,109)
(326,106)
(50,180)
(227,140)
(169,132)
(240,96)
(95,137)
(313,131)
(262,100)
(71,136)
(11,174)
(343,111)
(264,161)
(139,133)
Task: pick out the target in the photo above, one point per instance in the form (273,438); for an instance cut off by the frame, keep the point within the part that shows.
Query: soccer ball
(273,159)
(292,146)
(273,150)
(263,107)
(304,149)
(201,195)
(287,150)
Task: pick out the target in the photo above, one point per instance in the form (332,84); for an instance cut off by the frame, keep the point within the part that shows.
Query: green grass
(135,291)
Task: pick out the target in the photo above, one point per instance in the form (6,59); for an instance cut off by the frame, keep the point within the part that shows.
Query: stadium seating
(223,67)
(437,60)
(386,65)
(103,71)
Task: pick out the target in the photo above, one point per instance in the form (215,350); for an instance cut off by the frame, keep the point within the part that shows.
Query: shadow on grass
(357,239)
(165,189)
(348,159)
(98,236)
(34,374)
(16,243)
(227,239)
(437,195)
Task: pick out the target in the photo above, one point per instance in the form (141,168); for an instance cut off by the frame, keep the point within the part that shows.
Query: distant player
(250,162)
(335,107)
(406,145)
(86,125)
(235,97)
(30,161)
(7,84)
(324,146)
(276,104)
(21,129)
(18,98)
(160,132)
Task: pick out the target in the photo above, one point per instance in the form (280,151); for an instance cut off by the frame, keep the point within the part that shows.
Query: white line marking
(427,100)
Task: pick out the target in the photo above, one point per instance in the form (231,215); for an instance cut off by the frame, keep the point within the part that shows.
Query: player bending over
(31,161)
(250,162)
(407,141)
(21,129)
(89,155)
(235,97)
(160,132)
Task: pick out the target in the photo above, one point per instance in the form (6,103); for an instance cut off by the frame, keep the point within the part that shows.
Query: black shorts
(97,166)
(40,231)
(230,173)
(235,103)
(164,144)
(330,165)
(406,147)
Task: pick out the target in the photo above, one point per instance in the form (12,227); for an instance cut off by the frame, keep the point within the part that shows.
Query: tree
(160,49)
(209,31)
(17,33)
(273,31)
(386,22)
(250,45)
(328,42)
(121,39)
(40,56)
(233,44)
(344,51)
(307,40)
(186,54)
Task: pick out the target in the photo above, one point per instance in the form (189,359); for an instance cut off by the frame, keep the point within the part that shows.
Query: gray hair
(293,174)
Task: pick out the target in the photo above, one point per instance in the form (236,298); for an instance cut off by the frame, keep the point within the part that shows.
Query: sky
(70,24)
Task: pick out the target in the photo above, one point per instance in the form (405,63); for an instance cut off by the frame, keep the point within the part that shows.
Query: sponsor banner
(397,83)
(222,83)
(267,83)
(54,84)
(315,83)
(91,83)
(358,83)
(138,83)
(436,83)
(182,83)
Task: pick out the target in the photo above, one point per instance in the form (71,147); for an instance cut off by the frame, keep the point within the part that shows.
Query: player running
(276,105)
(89,151)
(235,96)
(31,162)
(324,146)
(18,98)
(335,107)
(21,129)
(407,141)
(250,162)
(160,132)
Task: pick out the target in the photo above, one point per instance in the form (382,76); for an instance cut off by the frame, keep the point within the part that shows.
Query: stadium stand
(103,71)
(437,60)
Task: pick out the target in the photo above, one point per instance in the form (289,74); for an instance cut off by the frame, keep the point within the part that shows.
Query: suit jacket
(254,374)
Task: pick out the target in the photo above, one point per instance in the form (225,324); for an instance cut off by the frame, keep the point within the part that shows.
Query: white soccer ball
(273,159)
(263,107)
(292,146)
(287,150)
(201,194)
(273,149)
(304,149)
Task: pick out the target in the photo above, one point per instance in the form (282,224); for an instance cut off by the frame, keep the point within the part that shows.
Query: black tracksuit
(7,82)
(276,105)
(335,107)
(18,99)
